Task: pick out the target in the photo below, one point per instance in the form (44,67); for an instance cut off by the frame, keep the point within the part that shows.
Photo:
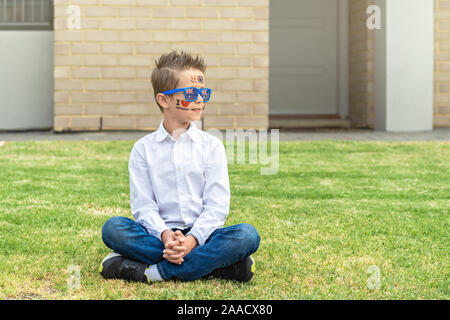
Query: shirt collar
(162,134)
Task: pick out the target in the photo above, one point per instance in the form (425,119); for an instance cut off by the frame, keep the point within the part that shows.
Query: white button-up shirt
(179,183)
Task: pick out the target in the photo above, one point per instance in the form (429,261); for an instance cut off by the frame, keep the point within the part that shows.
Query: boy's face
(177,107)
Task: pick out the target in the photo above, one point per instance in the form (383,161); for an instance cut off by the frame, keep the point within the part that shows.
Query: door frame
(342,45)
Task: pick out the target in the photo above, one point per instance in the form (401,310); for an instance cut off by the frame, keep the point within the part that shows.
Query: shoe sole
(109,256)
(252,268)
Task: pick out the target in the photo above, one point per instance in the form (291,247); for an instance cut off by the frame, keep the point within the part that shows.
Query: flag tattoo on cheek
(184,103)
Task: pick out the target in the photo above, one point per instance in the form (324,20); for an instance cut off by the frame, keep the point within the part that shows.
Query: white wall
(26,80)
(404,54)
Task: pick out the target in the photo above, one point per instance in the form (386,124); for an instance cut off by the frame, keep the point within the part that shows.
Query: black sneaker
(116,266)
(242,271)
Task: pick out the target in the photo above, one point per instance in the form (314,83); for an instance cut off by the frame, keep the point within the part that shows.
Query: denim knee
(110,229)
(250,237)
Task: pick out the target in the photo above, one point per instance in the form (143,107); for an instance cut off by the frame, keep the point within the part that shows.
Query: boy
(179,193)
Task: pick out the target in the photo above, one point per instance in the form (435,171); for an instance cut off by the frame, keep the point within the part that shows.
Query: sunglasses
(191,93)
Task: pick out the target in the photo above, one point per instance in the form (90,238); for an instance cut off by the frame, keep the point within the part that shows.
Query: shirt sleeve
(216,194)
(142,199)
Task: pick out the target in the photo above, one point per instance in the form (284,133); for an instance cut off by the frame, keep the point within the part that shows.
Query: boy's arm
(142,199)
(216,195)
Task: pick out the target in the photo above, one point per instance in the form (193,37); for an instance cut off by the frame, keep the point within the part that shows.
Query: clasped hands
(177,246)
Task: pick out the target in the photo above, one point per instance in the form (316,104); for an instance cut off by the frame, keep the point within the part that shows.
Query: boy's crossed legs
(226,247)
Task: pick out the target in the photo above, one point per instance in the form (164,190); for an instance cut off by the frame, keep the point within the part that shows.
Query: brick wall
(102,71)
(441,104)
(361,61)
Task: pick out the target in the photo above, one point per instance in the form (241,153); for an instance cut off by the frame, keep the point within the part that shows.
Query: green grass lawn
(333,210)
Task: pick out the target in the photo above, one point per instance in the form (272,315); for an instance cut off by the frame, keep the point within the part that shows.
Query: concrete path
(439,134)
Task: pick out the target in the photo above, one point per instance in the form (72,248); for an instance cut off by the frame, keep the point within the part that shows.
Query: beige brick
(152,2)
(220,73)
(101,109)
(184,3)
(261,13)
(211,109)
(100,12)
(202,13)
(220,49)
(61,123)
(86,123)
(222,97)
(68,85)
(134,85)
(62,97)
(135,109)
(261,36)
(253,3)
(83,48)
(219,3)
(253,49)
(155,48)
(118,97)
(117,123)
(68,60)
(252,97)
(237,36)
(134,61)
(85,97)
(82,73)
(122,73)
(117,2)
(237,85)
(253,25)
(220,122)
(253,73)
(261,85)
(68,109)
(261,61)
(203,36)
(236,12)
(169,12)
(235,61)
(230,109)
(100,60)
(101,85)
(219,25)
(135,36)
(152,24)
(134,12)
(61,72)
(169,36)
(261,109)
(252,122)
(101,36)
(185,24)
(62,48)
(151,122)
(117,24)
(68,35)
(115,48)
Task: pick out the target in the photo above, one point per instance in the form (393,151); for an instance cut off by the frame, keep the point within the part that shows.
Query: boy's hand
(178,246)
(174,246)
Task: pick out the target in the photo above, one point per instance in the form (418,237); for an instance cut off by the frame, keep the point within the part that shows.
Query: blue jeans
(224,247)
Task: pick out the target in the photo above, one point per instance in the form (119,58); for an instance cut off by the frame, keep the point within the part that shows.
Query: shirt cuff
(154,230)
(200,239)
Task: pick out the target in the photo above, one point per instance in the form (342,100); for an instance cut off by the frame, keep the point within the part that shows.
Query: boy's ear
(162,100)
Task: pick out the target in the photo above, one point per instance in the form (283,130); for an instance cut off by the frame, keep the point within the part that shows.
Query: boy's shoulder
(202,137)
